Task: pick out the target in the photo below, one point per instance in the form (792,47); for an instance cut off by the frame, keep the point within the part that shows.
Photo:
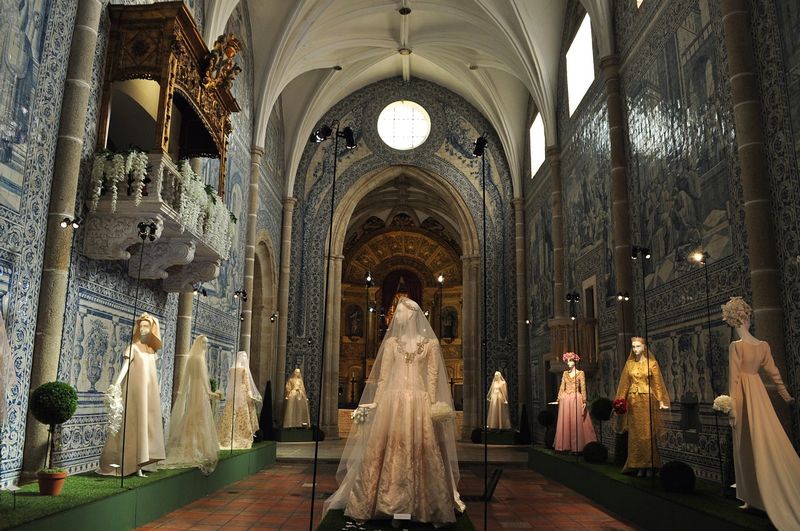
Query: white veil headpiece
(498,377)
(192,439)
(296,375)
(6,370)
(241,366)
(409,334)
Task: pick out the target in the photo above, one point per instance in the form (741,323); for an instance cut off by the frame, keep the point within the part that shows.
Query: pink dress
(767,467)
(574,428)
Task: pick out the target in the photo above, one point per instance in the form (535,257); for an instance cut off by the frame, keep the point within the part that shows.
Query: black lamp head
(321,134)
(480,146)
(349,138)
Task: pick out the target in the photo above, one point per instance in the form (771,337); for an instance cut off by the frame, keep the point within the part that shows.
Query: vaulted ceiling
(497,54)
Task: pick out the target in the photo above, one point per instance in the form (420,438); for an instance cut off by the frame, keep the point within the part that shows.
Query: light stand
(644,253)
(440,281)
(240,295)
(147,231)
(480,151)
(198,290)
(701,257)
(367,285)
(622,298)
(573,298)
(320,135)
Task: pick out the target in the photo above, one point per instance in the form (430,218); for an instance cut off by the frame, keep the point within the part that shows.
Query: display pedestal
(643,501)
(90,501)
(295,435)
(335,520)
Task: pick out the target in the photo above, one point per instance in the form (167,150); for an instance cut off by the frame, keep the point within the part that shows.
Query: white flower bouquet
(723,404)
(113,399)
(360,415)
(442,412)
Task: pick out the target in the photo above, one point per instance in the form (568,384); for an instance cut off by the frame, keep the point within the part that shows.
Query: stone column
(330,385)
(473,395)
(553,154)
(762,254)
(283,296)
(183,338)
(620,207)
(58,242)
(183,330)
(256,154)
(523,396)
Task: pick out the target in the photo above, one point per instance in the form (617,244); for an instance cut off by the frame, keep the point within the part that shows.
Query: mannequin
(402,457)
(498,417)
(295,411)
(137,384)
(574,428)
(240,407)
(767,467)
(192,440)
(642,386)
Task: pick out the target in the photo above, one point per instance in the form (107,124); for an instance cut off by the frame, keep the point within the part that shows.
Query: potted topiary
(600,410)
(52,403)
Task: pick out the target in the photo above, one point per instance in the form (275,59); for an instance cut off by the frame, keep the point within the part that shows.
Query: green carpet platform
(90,501)
(335,520)
(642,500)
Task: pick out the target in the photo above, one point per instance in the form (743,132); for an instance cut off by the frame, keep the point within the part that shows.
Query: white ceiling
(496,54)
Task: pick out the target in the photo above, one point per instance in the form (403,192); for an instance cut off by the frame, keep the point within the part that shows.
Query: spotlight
(76,223)
(634,252)
(527,322)
(321,134)
(646,253)
(480,146)
(240,293)
(699,256)
(349,138)
(65,222)
(440,279)
(573,297)
(241,316)
(310,341)
(369,277)
(427,313)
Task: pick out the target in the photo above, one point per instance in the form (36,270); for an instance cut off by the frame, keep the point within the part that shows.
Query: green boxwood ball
(601,409)
(677,476)
(546,418)
(53,403)
(595,452)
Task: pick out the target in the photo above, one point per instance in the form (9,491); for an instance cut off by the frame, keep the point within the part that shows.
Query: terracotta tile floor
(278,498)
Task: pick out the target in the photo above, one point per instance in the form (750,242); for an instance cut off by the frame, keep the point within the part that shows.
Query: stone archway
(263,343)
(469,242)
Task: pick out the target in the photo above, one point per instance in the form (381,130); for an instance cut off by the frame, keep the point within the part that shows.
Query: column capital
(289,202)
(518,203)
(257,151)
(553,153)
(610,66)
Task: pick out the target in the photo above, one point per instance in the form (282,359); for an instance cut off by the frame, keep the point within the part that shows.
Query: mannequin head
(570,358)
(296,373)
(497,376)
(736,312)
(638,347)
(146,331)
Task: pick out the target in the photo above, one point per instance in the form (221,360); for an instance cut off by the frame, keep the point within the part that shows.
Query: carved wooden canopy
(161,42)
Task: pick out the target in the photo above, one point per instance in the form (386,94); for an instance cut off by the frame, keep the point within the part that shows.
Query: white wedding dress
(402,458)
(192,440)
(295,407)
(498,417)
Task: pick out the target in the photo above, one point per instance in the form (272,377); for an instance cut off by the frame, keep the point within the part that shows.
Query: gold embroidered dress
(643,419)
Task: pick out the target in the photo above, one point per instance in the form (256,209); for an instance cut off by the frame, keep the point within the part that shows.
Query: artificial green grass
(335,520)
(706,497)
(83,489)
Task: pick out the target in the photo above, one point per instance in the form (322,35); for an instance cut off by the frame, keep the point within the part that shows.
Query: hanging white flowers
(723,404)
(193,199)
(113,399)
(109,169)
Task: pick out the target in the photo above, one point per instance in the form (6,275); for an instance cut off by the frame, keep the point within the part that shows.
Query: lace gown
(574,428)
(767,467)
(498,417)
(245,417)
(295,412)
(403,469)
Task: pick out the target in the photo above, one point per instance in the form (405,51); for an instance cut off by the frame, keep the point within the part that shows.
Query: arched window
(580,64)
(537,144)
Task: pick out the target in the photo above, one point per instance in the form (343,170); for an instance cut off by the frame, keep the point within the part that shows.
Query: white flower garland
(193,198)
(109,169)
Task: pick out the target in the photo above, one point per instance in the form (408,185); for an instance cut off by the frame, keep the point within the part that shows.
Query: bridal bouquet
(620,406)
(113,399)
(360,415)
(441,412)
(723,404)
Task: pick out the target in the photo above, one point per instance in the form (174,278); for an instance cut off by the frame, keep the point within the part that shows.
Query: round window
(404,125)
